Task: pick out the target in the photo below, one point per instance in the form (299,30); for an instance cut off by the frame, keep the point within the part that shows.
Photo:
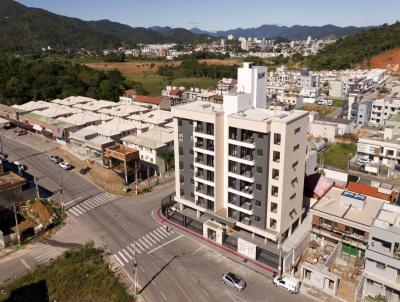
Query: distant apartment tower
(231,37)
(244,44)
(240,164)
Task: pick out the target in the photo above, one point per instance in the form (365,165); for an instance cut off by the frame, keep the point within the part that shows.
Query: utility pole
(135,270)
(16,222)
(136,176)
(61,189)
(37,188)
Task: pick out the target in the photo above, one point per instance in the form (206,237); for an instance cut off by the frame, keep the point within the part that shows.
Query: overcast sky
(227,14)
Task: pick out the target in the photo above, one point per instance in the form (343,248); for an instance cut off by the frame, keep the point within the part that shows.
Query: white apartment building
(380,147)
(240,165)
(383,109)
(382,263)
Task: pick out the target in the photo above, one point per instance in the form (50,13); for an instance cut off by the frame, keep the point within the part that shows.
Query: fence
(267,258)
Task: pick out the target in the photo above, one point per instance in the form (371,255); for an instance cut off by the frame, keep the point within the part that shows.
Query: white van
(290,284)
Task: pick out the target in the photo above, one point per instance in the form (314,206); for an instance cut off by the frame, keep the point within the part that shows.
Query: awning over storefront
(37,128)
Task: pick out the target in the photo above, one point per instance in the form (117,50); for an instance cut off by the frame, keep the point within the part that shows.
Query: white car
(21,167)
(65,165)
(290,284)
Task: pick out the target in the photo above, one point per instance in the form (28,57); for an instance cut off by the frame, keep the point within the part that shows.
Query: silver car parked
(233,281)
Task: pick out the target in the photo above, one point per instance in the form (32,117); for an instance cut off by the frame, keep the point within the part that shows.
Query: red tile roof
(370,191)
(147,99)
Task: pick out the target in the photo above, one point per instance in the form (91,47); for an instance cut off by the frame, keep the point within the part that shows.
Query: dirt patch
(39,209)
(322,110)
(220,62)
(389,60)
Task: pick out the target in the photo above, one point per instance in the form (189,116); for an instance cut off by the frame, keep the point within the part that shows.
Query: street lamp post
(135,270)
(61,189)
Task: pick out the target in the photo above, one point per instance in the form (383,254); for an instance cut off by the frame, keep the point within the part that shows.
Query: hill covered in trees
(25,80)
(347,52)
(24,29)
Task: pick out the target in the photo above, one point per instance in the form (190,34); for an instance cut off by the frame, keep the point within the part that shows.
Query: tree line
(23,80)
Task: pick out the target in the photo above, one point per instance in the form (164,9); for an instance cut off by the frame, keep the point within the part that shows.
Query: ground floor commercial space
(225,233)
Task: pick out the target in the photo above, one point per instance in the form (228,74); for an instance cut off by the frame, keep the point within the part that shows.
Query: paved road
(75,188)
(172,267)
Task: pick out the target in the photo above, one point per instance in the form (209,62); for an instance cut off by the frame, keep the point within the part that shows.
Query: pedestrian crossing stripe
(126,254)
(91,203)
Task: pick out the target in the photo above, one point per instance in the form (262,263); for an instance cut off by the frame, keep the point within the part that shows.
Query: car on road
(233,281)
(56,159)
(3,156)
(84,170)
(65,165)
(20,132)
(21,167)
(290,284)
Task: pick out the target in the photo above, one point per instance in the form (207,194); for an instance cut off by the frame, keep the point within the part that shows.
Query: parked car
(56,159)
(21,167)
(20,132)
(362,161)
(65,165)
(290,284)
(3,156)
(233,281)
(84,170)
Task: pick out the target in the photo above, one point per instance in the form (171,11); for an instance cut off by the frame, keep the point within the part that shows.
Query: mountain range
(296,32)
(24,29)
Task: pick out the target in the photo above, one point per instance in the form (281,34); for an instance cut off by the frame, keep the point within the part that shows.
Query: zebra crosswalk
(91,203)
(46,253)
(143,244)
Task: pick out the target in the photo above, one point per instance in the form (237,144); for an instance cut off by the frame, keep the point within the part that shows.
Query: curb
(165,220)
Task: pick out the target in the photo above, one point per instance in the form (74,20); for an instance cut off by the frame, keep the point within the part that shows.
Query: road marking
(26,264)
(131,250)
(74,212)
(193,279)
(197,250)
(143,243)
(164,244)
(86,206)
(118,260)
(147,241)
(234,297)
(123,257)
(76,199)
(126,253)
(205,293)
(138,247)
(165,232)
(162,294)
(91,202)
(142,269)
(161,233)
(155,237)
(151,239)
(80,209)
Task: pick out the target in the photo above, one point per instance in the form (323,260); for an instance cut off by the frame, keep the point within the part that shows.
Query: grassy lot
(154,83)
(337,155)
(79,275)
(338,103)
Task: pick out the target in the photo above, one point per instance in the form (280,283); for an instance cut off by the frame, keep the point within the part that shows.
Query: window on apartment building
(295,181)
(191,167)
(190,122)
(180,151)
(179,122)
(275,174)
(260,152)
(295,148)
(192,181)
(259,170)
(182,179)
(258,187)
(182,192)
(295,164)
(297,130)
(191,151)
(380,265)
(293,196)
(181,165)
(257,218)
(277,138)
(274,191)
(260,135)
(258,203)
(192,194)
(272,223)
(276,156)
(180,137)
(307,274)
(274,207)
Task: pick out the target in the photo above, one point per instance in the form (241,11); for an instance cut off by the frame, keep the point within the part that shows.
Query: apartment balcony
(246,220)
(204,147)
(247,142)
(247,206)
(202,132)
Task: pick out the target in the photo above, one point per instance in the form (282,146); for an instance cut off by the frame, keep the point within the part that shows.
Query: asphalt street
(171,265)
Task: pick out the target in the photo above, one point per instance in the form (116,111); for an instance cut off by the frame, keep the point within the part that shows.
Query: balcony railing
(246,220)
